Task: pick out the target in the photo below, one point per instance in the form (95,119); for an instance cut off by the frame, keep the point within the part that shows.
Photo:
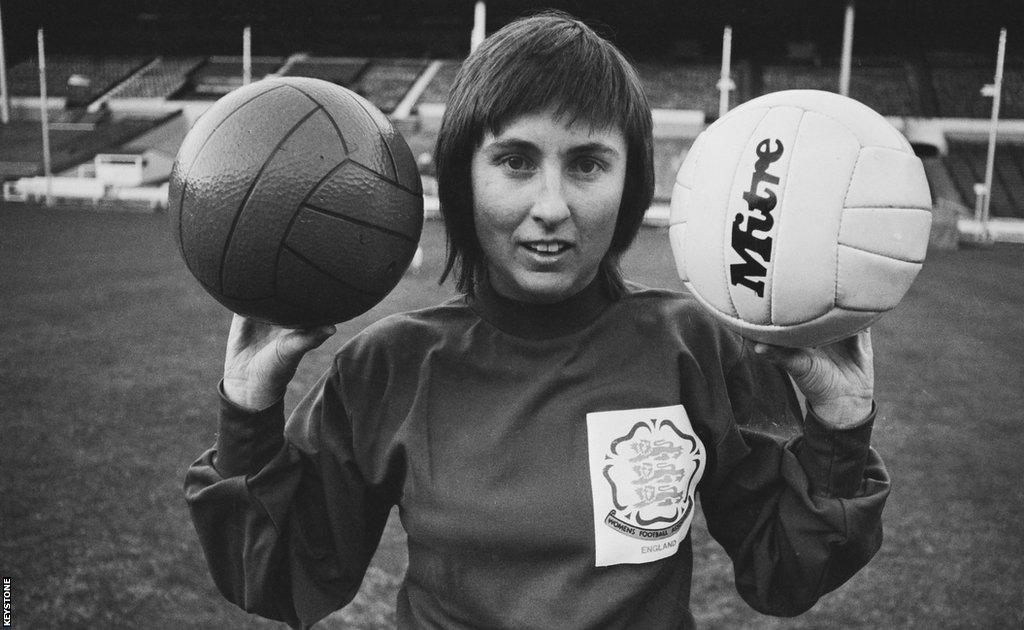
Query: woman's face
(546,197)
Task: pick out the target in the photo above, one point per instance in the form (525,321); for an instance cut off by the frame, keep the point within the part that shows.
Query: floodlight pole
(847,56)
(5,99)
(997,89)
(725,82)
(44,118)
(246,56)
(479,31)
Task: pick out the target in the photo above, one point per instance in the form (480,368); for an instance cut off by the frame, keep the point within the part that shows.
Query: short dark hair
(546,61)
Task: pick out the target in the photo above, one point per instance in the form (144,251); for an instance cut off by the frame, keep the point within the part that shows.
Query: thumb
(796,361)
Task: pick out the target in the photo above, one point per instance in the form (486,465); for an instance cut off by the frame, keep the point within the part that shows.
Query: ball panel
(803,272)
(357,124)
(837,324)
(309,297)
(679,204)
(212,118)
(887,177)
(405,172)
(363,196)
(302,159)
(755,213)
(868,281)
(868,126)
(677,238)
(271,310)
(223,174)
(359,255)
(193,144)
(900,233)
(716,172)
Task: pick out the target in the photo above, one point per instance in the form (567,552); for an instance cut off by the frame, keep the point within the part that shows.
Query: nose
(550,207)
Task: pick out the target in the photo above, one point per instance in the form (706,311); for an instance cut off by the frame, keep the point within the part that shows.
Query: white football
(800,217)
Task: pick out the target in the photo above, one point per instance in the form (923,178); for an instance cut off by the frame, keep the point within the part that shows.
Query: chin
(544,288)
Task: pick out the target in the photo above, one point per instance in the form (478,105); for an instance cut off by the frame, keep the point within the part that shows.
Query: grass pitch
(111,353)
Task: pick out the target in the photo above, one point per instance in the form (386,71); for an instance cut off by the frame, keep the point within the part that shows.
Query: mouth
(547,247)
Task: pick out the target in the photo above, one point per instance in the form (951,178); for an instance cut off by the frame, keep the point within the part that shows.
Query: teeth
(547,248)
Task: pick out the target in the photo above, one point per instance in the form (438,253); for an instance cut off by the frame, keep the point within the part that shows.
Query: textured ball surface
(800,217)
(295,201)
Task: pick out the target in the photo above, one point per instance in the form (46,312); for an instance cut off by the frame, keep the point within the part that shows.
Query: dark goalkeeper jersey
(546,462)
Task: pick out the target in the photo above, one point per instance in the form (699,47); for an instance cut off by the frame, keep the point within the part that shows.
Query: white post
(246,56)
(847,56)
(997,88)
(44,118)
(479,25)
(725,82)
(5,99)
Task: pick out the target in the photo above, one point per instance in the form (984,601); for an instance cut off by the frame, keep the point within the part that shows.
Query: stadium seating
(220,75)
(690,85)
(162,78)
(21,151)
(437,90)
(882,84)
(103,73)
(341,70)
(385,81)
(966,165)
(959,77)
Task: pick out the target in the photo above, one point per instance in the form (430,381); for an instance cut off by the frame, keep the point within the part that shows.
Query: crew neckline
(539,321)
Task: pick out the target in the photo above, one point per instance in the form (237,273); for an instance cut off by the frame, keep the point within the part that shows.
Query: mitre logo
(757,218)
(645,466)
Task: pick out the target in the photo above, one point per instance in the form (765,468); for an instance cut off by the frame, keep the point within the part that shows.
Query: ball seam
(780,217)
(248,194)
(736,168)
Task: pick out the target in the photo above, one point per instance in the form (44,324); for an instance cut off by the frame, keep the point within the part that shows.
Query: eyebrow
(518,144)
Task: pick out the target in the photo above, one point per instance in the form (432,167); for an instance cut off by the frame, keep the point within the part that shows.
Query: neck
(540,321)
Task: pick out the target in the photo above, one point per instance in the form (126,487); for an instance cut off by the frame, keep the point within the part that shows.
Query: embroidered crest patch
(644,468)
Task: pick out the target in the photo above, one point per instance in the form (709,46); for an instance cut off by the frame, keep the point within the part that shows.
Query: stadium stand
(437,90)
(385,81)
(160,79)
(959,77)
(936,84)
(220,75)
(884,85)
(340,70)
(691,86)
(966,165)
(102,73)
(21,152)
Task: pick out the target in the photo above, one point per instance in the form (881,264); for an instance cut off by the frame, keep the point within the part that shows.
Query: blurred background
(111,351)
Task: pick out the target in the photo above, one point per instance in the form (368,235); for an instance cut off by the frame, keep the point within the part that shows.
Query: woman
(546,433)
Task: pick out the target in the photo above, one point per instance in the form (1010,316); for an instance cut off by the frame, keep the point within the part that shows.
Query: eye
(588,167)
(515,163)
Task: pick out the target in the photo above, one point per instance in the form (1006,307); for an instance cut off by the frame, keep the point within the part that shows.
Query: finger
(856,347)
(299,341)
(240,334)
(796,361)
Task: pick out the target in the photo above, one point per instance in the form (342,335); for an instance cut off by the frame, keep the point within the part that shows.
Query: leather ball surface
(295,201)
(800,217)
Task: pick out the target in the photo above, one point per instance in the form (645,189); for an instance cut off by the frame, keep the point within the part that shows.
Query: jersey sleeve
(287,520)
(798,515)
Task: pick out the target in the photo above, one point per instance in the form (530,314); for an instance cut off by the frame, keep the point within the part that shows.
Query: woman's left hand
(838,380)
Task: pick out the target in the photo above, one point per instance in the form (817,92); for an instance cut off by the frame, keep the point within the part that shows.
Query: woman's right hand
(261,360)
